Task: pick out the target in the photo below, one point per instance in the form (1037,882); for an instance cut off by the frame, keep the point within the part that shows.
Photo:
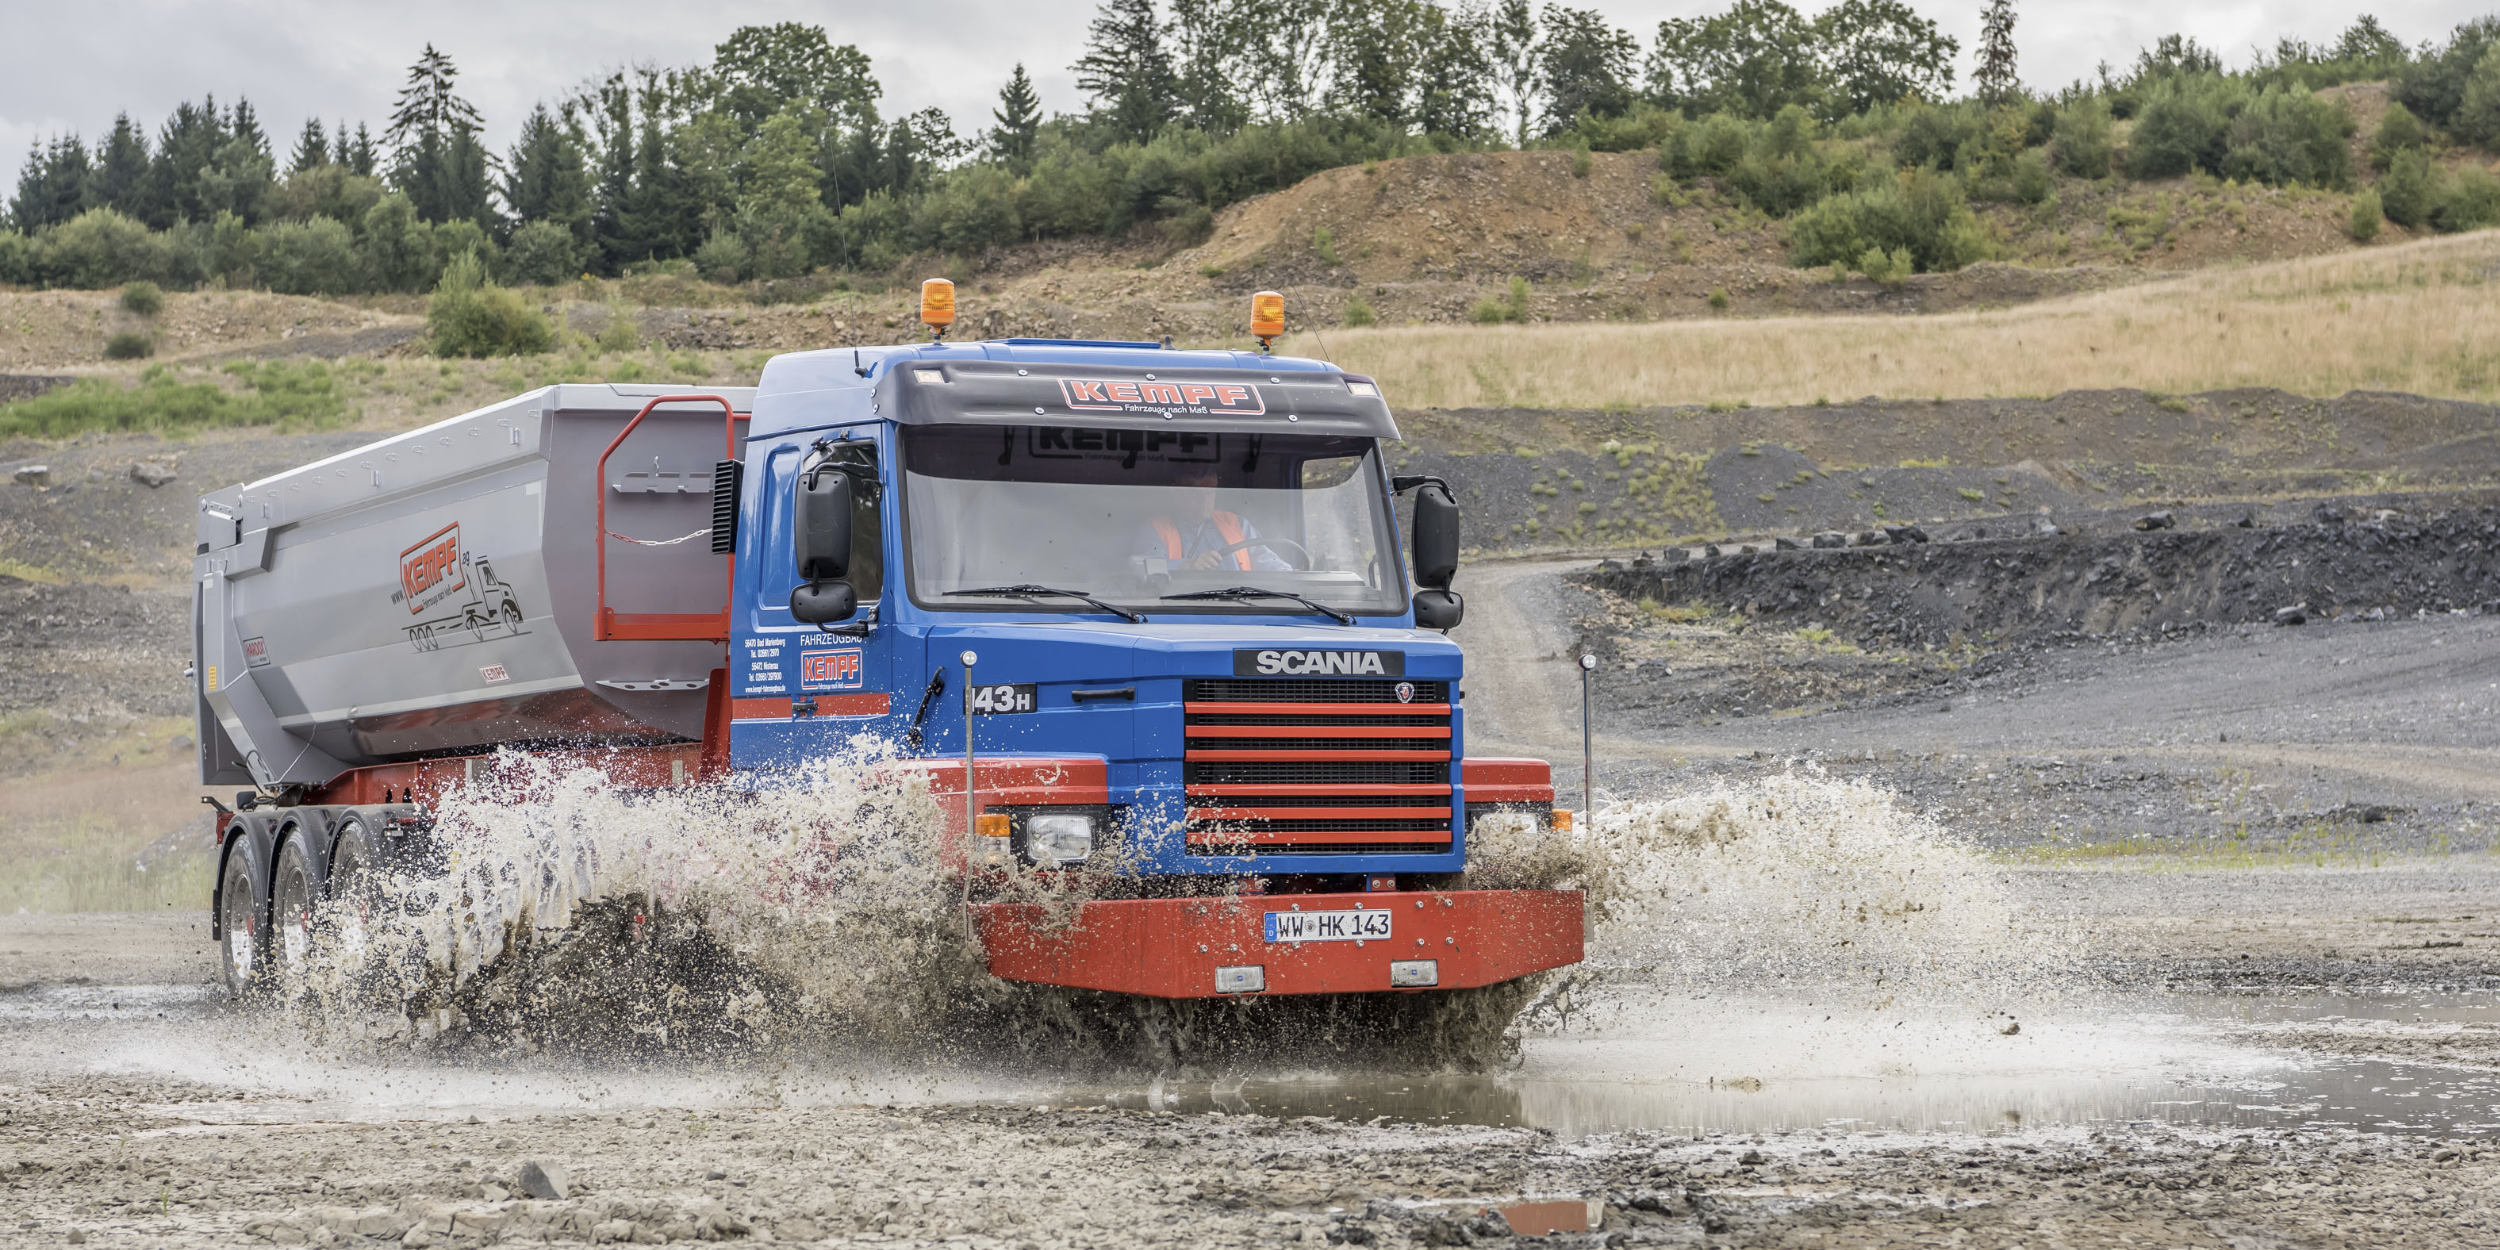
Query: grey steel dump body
(435,592)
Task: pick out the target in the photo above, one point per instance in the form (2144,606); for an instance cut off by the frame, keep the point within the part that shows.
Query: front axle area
(1206,947)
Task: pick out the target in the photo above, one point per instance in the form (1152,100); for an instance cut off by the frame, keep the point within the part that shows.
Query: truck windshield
(1130,516)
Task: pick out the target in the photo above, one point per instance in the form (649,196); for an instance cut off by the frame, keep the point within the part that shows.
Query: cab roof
(1065,382)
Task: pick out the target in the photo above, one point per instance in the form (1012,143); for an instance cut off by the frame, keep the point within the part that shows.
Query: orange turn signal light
(937,304)
(1563,820)
(1267,315)
(990,824)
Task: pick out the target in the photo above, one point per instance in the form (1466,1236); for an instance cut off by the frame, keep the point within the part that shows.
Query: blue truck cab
(1164,594)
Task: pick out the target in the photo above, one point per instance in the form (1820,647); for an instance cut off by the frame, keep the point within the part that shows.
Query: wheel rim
(293,916)
(242,929)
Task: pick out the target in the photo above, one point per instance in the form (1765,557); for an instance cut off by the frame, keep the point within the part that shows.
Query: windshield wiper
(1027,590)
(1256,592)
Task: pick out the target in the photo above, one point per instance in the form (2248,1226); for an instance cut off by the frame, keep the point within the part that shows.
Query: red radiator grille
(1304,766)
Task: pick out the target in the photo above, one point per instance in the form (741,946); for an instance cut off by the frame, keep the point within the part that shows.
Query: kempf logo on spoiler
(1214,399)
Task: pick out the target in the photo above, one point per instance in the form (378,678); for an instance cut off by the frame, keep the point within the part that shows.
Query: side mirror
(822,535)
(1436,536)
(823,603)
(1439,609)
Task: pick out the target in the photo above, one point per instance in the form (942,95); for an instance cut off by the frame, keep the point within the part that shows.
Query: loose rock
(2156,521)
(545,1180)
(151,473)
(33,474)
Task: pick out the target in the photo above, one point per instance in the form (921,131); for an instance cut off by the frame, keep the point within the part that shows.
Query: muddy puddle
(1722,1064)
(1751,1065)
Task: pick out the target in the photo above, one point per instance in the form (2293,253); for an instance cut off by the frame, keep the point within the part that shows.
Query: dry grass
(2421,317)
(70,839)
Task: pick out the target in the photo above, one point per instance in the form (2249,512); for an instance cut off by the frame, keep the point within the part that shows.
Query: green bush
(1580,162)
(2398,131)
(2285,137)
(1887,268)
(2478,113)
(2366,215)
(129,345)
(316,257)
(144,298)
(2470,200)
(1920,211)
(2033,183)
(276,392)
(723,257)
(1719,298)
(470,316)
(2183,126)
(544,253)
(2410,189)
(2434,85)
(2084,138)
(17,258)
(1358,312)
(1324,246)
(102,248)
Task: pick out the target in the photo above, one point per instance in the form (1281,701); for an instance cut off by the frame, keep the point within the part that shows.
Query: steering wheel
(1274,543)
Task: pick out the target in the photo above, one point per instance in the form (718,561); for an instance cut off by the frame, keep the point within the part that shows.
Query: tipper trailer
(1120,603)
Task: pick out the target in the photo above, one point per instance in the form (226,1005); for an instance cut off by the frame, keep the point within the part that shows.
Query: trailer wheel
(355,885)
(296,890)
(242,918)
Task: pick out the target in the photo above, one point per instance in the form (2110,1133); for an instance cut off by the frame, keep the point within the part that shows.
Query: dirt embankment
(1542,480)
(2066,587)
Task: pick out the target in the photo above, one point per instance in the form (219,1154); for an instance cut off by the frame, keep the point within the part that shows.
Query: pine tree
(436,156)
(1995,77)
(428,103)
(121,174)
(1019,118)
(1127,70)
(244,124)
(186,147)
(546,179)
(53,186)
(312,148)
(362,156)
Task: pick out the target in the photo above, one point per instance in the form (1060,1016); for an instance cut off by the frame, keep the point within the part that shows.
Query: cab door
(801,691)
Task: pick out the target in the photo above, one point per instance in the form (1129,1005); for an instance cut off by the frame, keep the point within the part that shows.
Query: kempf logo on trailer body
(1319,663)
(1213,399)
(432,570)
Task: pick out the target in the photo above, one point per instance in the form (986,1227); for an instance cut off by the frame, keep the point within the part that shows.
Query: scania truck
(1122,604)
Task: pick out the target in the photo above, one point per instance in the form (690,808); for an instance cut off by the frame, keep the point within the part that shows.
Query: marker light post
(972,806)
(1588,739)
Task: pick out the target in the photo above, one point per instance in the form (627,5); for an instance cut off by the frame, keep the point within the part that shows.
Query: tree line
(774,157)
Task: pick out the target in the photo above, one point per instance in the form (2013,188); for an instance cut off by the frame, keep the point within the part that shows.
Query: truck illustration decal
(457,592)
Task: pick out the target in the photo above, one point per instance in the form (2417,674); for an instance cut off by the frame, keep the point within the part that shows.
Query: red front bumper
(1172,947)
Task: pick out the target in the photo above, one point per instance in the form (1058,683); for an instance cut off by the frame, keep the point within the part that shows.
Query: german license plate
(1360,924)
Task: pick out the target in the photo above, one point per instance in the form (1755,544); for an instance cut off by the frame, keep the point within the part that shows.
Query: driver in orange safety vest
(1200,540)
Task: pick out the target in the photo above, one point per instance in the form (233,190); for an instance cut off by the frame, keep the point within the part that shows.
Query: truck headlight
(1055,838)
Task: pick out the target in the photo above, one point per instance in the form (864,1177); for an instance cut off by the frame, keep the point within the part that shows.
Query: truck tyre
(296,890)
(355,885)
(242,917)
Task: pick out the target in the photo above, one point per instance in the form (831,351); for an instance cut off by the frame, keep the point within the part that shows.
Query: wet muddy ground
(2212,1041)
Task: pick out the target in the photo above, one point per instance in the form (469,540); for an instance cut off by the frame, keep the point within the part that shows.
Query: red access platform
(1171,947)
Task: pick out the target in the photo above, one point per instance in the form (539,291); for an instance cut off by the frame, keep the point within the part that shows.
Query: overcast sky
(64,67)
